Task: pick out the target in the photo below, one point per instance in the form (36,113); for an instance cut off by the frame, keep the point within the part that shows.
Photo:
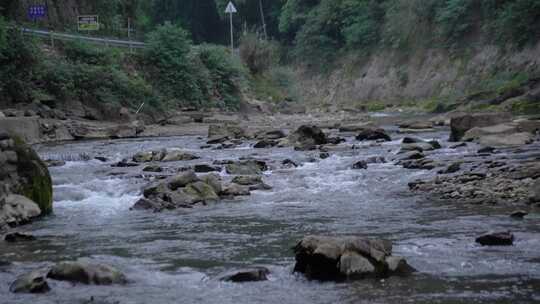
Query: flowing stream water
(175,256)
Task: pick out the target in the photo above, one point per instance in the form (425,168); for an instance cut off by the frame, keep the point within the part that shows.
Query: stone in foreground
(86,273)
(255,274)
(33,282)
(496,239)
(340,258)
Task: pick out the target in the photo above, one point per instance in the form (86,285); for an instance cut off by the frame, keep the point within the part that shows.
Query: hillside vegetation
(373,52)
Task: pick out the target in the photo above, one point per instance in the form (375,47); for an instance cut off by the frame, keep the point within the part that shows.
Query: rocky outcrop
(25,183)
(461,124)
(417,144)
(338,258)
(249,167)
(225,132)
(500,135)
(307,138)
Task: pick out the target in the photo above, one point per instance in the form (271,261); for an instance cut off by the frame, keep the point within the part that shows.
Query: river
(175,256)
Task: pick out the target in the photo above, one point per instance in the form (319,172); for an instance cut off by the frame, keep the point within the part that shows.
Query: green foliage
(517,21)
(275,85)
(258,54)
(18,59)
(83,52)
(524,107)
(225,75)
(363,20)
(454,20)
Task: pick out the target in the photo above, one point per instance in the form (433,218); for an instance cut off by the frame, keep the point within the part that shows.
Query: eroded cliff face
(390,76)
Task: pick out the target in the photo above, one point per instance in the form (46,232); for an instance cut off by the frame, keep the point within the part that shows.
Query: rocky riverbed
(186,218)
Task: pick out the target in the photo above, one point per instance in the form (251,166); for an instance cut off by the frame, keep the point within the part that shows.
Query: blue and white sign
(37,11)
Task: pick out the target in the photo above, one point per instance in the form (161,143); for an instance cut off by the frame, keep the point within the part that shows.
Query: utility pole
(231,9)
(263,20)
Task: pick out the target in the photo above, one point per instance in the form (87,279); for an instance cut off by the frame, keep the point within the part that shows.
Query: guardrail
(106,41)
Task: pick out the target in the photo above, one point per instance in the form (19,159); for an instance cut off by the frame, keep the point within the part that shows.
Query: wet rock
(124,164)
(233,190)
(486,150)
(143,157)
(461,124)
(535,192)
(289,163)
(247,180)
(453,168)
(417,144)
(101,159)
(183,179)
(214,181)
(307,138)
(177,155)
(373,134)
(153,168)
(519,214)
(255,274)
(86,273)
(265,143)
(324,155)
(353,128)
(249,167)
(205,168)
(33,282)
(360,165)
(338,258)
(413,155)
(496,239)
(420,164)
(17,209)
(201,192)
(147,204)
(18,237)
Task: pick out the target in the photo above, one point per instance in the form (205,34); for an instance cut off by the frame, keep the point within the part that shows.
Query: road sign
(37,12)
(231,9)
(88,23)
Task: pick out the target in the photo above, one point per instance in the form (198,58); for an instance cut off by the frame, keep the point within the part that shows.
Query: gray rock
(229,130)
(87,273)
(360,165)
(177,155)
(183,179)
(33,282)
(201,192)
(337,258)
(307,137)
(153,168)
(18,209)
(249,167)
(247,180)
(453,168)
(461,124)
(496,239)
(373,134)
(255,274)
(214,181)
(519,214)
(233,190)
(535,191)
(205,168)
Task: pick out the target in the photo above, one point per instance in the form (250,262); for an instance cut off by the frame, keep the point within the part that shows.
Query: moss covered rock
(34,178)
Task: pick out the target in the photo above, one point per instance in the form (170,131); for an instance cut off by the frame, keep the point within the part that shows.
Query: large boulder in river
(417,144)
(339,258)
(254,274)
(461,124)
(307,137)
(87,273)
(23,172)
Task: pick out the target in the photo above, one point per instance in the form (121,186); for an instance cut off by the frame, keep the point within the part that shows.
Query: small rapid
(175,256)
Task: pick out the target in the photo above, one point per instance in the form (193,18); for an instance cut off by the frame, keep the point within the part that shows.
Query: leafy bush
(517,21)
(225,75)
(258,54)
(83,52)
(19,58)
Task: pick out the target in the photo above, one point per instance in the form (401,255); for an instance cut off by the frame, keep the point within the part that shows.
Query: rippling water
(174,257)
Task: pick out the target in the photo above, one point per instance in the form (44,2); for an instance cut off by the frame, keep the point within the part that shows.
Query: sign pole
(232,34)
(231,9)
